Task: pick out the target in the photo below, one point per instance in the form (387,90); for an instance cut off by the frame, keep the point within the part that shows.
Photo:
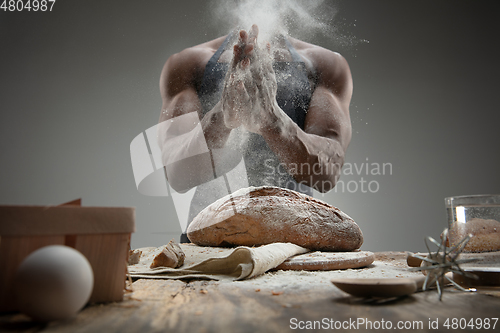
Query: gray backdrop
(80,82)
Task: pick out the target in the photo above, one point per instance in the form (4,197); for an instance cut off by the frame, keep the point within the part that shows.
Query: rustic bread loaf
(264,215)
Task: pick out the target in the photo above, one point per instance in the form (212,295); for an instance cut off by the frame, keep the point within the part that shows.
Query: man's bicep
(180,102)
(328,116)
(177,88)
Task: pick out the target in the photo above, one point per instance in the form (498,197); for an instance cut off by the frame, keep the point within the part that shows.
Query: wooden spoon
(388,287)
(394,287)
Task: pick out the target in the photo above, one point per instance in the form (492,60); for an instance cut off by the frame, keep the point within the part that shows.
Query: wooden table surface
(211,306)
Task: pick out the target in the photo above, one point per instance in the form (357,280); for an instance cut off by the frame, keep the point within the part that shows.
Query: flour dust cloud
(301,19)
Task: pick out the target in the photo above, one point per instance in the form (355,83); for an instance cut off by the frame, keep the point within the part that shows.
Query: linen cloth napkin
(218,263)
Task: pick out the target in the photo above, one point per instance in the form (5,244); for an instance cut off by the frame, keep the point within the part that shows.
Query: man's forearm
(215,131)
(310,159)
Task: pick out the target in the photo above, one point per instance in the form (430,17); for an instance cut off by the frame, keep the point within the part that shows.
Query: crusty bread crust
(264,215)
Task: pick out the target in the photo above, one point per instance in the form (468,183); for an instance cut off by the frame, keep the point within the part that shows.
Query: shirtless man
(304,123)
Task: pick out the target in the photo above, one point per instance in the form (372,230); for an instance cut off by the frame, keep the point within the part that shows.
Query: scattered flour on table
(306,280)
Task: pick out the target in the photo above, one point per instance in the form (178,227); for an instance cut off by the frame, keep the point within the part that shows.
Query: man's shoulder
(330,65)
(319,56)
(185,68)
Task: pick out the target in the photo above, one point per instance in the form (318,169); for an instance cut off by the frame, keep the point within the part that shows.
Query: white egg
(54,282)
